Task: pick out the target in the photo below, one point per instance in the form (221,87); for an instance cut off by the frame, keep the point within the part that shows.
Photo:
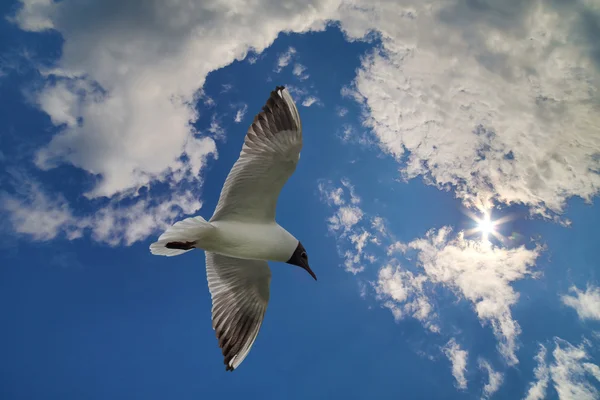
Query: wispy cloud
(284,59)
(300,71)
(226,87)
(240,113)
(43,216)
(537,389)
(458,359)
(477,271)
(310,100)
(587,304)
(570,372)
(494,380)
(215,128)
(481,273)
(341,111)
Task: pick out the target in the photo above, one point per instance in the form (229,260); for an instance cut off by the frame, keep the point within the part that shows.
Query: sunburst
(487,226)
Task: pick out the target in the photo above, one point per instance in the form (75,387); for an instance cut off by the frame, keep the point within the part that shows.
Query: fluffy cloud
(123,99)
(124,89)
(496,102)
(458,358)
(587,304)
(404,294)
(481,273)
(474,270)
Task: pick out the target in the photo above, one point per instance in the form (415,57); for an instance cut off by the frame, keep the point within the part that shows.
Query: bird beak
(307,268)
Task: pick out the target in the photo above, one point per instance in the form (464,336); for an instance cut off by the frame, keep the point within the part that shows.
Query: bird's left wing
(268,158)
(240,294)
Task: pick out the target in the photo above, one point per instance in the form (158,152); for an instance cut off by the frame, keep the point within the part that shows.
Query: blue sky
(118,120)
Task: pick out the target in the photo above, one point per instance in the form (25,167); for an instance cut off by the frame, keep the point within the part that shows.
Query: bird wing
(268,158)
(240,293)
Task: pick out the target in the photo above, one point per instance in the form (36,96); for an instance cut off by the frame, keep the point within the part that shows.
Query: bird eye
(304,256)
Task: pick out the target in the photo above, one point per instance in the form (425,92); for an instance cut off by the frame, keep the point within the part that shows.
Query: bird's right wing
(240,293)
(268,158)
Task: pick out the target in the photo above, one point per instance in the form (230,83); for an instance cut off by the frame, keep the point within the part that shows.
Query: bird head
(300,259)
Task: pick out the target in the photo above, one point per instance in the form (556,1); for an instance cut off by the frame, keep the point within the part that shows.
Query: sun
(486,225)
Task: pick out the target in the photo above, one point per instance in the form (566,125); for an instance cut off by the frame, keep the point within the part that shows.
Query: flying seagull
(242,234)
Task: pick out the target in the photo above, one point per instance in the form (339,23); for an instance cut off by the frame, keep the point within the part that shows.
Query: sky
(424,122)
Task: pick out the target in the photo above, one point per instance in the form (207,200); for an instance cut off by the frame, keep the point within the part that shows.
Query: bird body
(242,234)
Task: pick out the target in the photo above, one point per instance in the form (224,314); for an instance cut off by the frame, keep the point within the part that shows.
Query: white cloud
(481,273)
(300,71)
(40,215)
(310,100)
(345,218)
(480,98)
(348,226)
(587,304)
(123,91)
(495,379)
(341,111)
(570,372)
(284,59)
(477,271)
(458,359)
(537,390)
(240,113)
(403,293)
(36,214)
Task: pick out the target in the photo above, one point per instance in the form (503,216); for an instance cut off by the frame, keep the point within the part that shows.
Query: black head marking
(300,259)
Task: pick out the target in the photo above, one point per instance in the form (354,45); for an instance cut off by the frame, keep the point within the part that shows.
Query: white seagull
(242,234)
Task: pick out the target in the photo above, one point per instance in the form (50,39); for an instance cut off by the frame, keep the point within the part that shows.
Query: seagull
(242,234)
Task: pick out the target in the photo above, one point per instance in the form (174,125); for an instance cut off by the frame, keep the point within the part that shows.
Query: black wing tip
(229,368)
(180,245)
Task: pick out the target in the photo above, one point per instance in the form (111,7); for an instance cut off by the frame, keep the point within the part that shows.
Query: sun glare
(486,226)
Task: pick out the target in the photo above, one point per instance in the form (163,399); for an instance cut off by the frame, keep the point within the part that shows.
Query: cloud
(474,270)
(40,215)
(494,102)
(570,372)
(587,304)
(353,234)
(403,293)
(495,379)
(341,111)
(310,100)
(284,59)
(299,70)
(240,113)
(481,273)
(537,389)
(458,358)
(226,87)
(123,93)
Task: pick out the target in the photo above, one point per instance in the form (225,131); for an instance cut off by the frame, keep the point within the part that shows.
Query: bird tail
(181,237)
